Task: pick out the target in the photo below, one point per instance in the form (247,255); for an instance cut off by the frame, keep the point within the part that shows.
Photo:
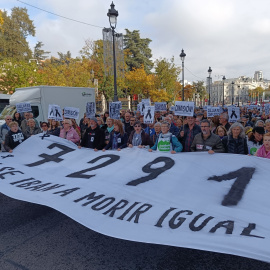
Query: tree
(15,30)
(166,77)
(137,51)
(199,88)
(39,54)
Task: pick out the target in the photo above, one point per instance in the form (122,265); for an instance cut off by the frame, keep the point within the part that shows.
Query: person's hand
(140,146)
(130,145)
(96,149)
(173,152)
(79,147)
(10,151)
(182,133)
(103,150)
(150,150)
(119,149)
(211,152)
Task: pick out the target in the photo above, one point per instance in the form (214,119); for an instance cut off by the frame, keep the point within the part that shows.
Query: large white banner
(216,202)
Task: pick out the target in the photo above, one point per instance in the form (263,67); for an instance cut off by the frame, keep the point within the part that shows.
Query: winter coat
(235,146)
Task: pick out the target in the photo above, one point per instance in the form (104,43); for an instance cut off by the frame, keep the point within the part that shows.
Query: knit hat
(259,130)
(94,119)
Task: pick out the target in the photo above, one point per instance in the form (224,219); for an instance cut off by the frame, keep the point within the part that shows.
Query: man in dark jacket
(206,140)
(94,136)
(188,132)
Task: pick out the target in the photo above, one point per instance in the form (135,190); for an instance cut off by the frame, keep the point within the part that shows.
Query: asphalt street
(35,237)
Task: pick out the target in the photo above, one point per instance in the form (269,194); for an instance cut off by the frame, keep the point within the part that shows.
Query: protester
(166,141)
(255,140)
(259,123)
(31,128)
(154,135)
(236,142)
(44,128)
(68,132)
(14,137)
(207,141)
(267,126)
(94,136)
(118,138)
(173,129)
(221,132)
(17,118)
(4,129)
(101,123)
(126,121)
(130,128)
(138,137)
(54,128)
(24,121)
(264,150)
(109,129)
(223,120)
(188,132)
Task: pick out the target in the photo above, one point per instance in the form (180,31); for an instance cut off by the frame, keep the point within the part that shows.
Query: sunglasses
(137,126)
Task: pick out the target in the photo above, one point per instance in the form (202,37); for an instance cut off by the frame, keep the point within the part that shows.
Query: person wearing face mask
(94,136)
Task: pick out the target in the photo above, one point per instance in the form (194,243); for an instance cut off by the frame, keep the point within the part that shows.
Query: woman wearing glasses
(138,137)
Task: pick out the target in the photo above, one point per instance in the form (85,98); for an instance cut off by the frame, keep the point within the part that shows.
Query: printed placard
(266,108)
(90,109)
(71,112)
(55,113)
(114,109)
(184,108)
(212,111)
(23,107)
(145,102)
(149,115)
(160,106)
(234,114)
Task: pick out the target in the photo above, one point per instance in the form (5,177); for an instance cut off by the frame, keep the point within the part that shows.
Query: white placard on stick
(55,113)
(149,115)
(23,107)
(184,108)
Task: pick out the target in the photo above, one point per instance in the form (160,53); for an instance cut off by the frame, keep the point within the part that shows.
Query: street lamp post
(232,93)
(112,14)
(209,82)
(182,56)
(223,90)
(238,95)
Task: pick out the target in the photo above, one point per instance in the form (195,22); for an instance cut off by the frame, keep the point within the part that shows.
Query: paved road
(34,237)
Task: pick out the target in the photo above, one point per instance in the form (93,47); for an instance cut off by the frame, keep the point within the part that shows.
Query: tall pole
(232,93)
(209,82)
(182,56)
(113,14)
(115,97)
(238,95)
(223,91)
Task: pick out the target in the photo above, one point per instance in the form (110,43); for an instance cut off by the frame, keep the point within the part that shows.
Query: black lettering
(121,204)
(90,197)
(153,173)
(52,187)
(38,187)
(52,158)
(145,207)
(108,201)
(248,229)
(203,224)
(243,177)
(176,225)
(66,191)
(80,174)
(228,224)
(161,219)
(12,173)
(14,183)
(127,211)
(28,184)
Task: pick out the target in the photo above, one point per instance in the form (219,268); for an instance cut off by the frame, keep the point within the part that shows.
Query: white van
(41,96)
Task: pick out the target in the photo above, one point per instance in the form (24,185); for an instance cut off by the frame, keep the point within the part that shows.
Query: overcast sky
(231,36)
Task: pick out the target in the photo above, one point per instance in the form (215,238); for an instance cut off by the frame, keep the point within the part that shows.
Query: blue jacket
(122,143)
(176,145)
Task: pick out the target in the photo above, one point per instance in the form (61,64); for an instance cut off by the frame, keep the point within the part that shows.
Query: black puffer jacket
(235,146)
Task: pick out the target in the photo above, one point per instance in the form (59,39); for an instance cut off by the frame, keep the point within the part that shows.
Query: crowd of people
(169,133)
